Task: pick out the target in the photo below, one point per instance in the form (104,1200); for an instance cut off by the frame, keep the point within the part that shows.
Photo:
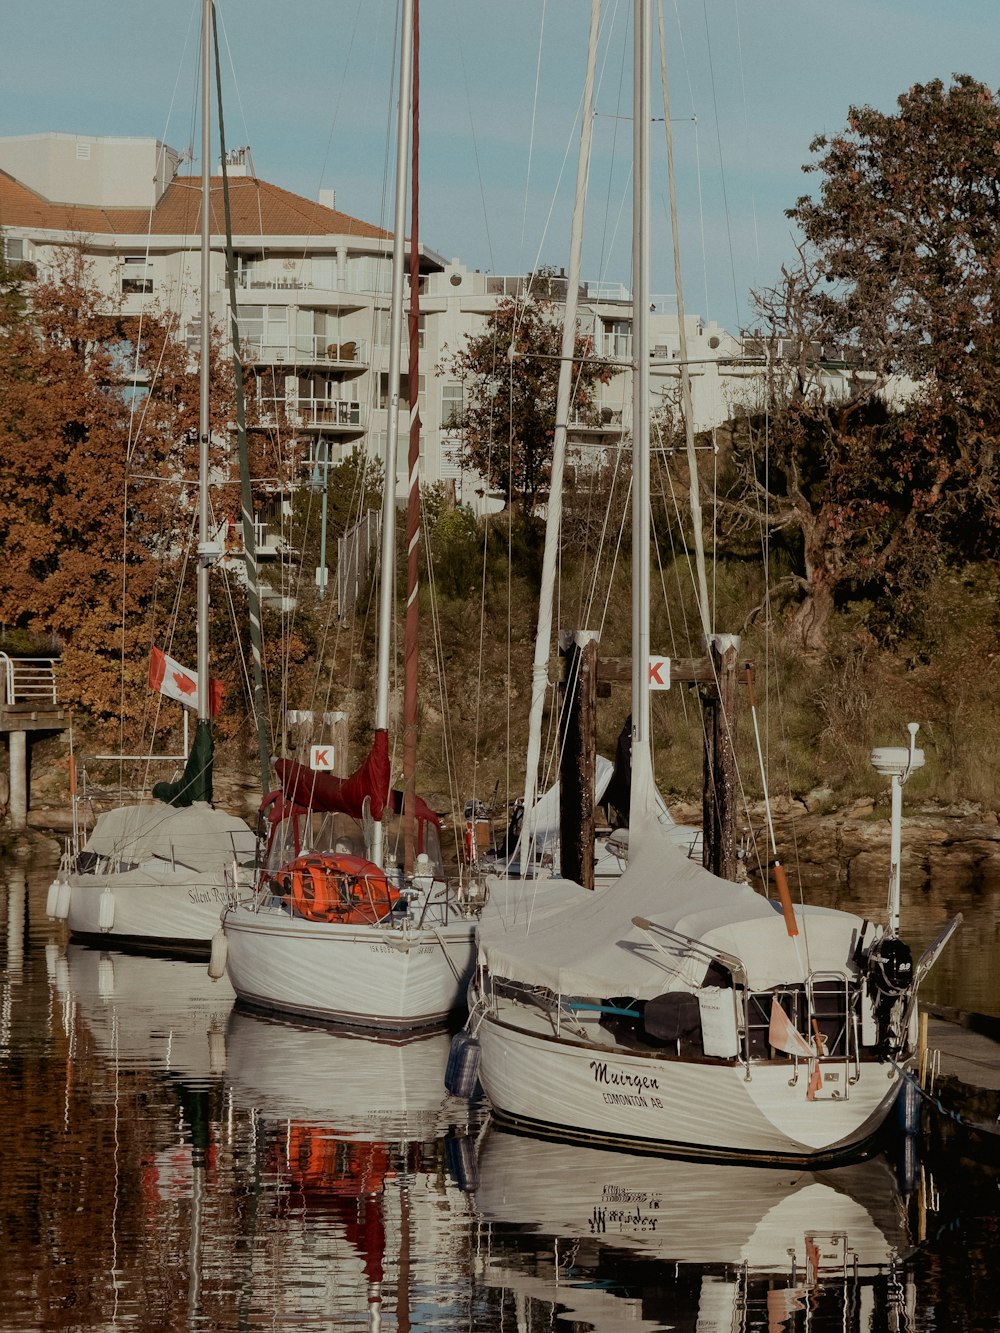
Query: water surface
(172,1163)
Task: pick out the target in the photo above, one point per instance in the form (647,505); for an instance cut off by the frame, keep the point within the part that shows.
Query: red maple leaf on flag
(184,683)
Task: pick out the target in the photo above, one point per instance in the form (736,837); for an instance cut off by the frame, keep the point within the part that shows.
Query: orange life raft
(336,887)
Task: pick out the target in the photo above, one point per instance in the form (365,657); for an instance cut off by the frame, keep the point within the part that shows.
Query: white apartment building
(313,290)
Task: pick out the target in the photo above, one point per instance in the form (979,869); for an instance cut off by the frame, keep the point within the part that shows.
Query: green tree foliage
(880,444)
(509,375)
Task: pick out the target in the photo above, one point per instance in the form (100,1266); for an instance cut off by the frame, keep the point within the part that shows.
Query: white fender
(60,900)
(220,952)
(105,977)
(106,910)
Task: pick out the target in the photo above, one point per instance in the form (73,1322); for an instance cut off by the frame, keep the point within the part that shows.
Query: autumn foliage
(98,452)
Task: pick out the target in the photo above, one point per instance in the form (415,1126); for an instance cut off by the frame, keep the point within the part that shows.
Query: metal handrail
(28,678)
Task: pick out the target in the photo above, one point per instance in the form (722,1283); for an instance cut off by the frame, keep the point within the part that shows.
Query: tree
(509,375)
(98,445)
(905,230)
(883,390)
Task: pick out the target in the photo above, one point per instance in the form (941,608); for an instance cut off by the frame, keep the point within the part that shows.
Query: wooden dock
(28,704)
(961,1082)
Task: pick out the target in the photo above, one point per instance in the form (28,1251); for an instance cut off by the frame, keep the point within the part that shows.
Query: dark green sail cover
(195,783)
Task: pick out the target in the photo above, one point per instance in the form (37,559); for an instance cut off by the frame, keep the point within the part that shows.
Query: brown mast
(412,642)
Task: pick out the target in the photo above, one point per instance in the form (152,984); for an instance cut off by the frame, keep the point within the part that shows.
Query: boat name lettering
(381,948)
(618,1078)
(620,1219)
(622,1194)
(213,895)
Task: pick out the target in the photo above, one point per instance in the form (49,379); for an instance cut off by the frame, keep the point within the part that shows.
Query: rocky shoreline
(850,847)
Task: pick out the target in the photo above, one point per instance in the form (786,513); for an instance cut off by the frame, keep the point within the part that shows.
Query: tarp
(588,945)
(197,837)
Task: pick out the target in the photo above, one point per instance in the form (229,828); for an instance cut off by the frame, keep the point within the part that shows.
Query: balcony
(615,346)
(336,415)
(598,421)
(308,350)
(284,289)
(268,542)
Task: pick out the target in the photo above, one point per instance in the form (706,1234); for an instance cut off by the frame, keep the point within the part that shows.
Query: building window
(451,403)
(383,327)
(14,249)
(135,276)
(404,392)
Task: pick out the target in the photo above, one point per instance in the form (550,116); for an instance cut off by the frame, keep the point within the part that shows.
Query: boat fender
(106,910)
(106,976)
(52,898)
(219,955)
(63,900)
(462,1071)
(460,1159)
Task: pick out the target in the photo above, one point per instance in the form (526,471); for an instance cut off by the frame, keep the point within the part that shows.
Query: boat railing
(28,679)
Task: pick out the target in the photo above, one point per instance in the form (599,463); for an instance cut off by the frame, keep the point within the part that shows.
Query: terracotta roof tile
(258,209)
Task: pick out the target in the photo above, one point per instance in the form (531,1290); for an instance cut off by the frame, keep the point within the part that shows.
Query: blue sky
(752,82)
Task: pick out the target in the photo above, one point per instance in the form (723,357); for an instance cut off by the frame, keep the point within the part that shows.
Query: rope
(946,1111)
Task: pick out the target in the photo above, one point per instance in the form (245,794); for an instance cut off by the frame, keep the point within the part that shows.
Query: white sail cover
(541,823)
(195,837)
(587,945)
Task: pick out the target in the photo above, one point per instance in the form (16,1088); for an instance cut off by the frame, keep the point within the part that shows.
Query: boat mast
(392,433)
(686,407)
(204,424)
(641,758)
(553,518)
(412,635)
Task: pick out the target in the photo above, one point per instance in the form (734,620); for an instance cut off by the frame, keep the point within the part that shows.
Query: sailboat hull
(176,916)
(377,977)
(579,1090)
(155,877)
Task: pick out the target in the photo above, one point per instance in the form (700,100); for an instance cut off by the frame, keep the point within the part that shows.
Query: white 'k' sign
(321,758)
(659,673)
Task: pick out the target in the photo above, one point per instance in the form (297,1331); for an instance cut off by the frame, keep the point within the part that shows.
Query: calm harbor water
(172,1163)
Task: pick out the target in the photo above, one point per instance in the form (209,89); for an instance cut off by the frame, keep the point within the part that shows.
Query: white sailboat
(675,1011)
(332,935)
(154,875)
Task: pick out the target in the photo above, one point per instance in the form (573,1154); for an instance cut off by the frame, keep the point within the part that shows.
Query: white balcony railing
(319,413)
(310,349)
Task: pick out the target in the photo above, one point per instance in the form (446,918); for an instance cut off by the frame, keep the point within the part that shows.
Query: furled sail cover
(587,944)
(195,783)
(311,790)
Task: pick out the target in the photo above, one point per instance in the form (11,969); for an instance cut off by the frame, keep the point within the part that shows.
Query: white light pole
(897,763)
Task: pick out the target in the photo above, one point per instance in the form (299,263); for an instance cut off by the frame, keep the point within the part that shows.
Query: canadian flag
(177,682)
(784,1035)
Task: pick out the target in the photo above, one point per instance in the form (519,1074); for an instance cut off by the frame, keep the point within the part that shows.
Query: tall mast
(412,637)
(686,406)
(553,518)
(204,422)
(392,433)
(641,758)
(246,492)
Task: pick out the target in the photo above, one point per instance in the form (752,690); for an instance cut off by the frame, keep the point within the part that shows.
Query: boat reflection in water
(350,1149)
(653,1242)
(146,1013)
